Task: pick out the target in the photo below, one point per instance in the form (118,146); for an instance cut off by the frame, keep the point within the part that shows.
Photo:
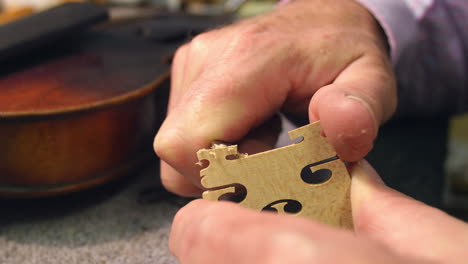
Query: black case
(34,31)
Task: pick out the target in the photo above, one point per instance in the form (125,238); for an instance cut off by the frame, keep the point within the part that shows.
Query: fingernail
(366,183)
(366,105)
(370,172)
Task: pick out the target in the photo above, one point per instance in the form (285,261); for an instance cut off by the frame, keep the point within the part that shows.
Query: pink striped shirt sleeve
(429,49)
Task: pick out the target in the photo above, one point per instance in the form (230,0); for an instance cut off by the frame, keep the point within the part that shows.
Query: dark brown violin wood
(81,78)
(80,112)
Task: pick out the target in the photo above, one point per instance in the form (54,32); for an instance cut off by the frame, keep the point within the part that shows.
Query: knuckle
(180,186)
(201,43)
(250,35)
(180,53)
(171,185)
(161,146)
(384,75)
(169,146)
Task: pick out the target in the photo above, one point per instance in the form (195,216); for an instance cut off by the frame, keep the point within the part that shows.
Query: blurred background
(12,9)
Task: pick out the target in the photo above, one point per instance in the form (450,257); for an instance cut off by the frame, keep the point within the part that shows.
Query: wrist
(350,14)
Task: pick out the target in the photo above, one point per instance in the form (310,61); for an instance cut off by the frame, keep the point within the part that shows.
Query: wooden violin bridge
(305,179)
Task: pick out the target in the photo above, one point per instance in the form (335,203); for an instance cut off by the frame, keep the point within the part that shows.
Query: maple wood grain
(304,179)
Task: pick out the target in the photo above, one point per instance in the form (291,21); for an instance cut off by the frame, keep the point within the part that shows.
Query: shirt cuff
(398,21)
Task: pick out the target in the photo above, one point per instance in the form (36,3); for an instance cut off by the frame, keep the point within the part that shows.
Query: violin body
(50,155)
(80,112)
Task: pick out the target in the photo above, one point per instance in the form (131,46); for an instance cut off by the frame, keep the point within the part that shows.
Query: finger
(189,62)
(260,139)
(183,71)
(351,109)
(402,223)
(181,74)
(178,69)
(220,232)
(198,55)
(221,104)
(176,183)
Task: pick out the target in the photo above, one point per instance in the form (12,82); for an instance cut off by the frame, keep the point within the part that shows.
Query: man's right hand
(326,59)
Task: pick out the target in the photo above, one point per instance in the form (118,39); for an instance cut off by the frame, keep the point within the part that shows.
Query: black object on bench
(32,32)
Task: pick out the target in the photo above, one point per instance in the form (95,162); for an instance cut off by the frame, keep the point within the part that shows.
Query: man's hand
(390,228)
(326,59)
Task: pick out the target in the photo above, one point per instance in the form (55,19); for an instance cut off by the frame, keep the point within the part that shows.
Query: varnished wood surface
(97,68)
(80,112)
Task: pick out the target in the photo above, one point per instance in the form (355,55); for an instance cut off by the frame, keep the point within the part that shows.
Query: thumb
(402,223)
(352,108)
